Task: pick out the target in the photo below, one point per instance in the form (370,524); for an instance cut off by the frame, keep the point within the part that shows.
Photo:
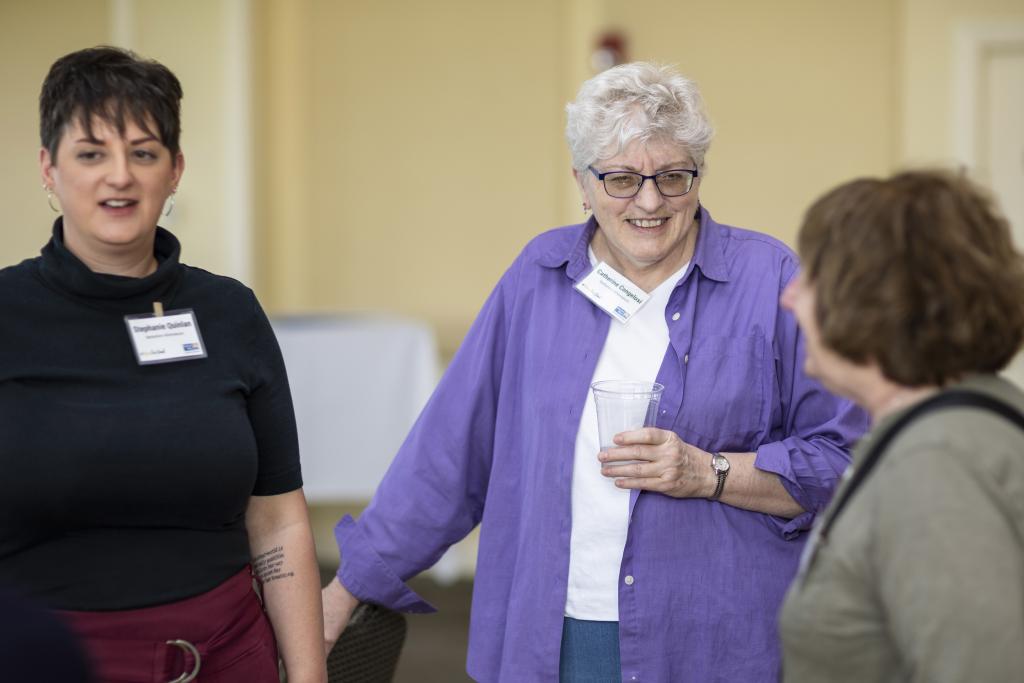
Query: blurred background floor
(435,644)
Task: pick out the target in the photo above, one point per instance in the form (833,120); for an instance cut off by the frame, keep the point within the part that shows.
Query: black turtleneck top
(121,485)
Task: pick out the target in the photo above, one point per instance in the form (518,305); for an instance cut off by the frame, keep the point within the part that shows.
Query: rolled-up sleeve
(819,431)
(433,493)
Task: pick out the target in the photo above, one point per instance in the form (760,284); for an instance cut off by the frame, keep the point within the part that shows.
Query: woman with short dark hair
(147,440)
(911,299)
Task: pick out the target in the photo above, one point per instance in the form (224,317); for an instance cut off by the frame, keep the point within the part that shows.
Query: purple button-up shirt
(701,582)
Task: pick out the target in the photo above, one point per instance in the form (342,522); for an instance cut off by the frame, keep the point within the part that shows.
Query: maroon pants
(223,635)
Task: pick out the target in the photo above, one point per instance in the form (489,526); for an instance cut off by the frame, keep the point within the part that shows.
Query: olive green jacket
(922,577)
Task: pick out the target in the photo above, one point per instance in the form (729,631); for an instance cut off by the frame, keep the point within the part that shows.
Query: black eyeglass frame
(694,173)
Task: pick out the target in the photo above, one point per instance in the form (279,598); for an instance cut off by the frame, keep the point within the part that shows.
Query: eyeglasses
(625,184)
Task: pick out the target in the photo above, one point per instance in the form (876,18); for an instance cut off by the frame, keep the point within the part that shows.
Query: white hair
(640,101)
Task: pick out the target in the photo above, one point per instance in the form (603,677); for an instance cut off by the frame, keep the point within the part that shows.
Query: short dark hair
(917,273)
(115,85)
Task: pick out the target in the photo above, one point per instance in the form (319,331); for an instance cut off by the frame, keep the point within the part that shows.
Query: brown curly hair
(917,273)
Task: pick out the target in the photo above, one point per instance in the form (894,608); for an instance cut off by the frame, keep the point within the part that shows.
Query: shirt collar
(709,253)
(571,251)
(64,271)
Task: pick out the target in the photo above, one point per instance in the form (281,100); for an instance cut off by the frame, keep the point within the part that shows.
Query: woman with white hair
(662,559)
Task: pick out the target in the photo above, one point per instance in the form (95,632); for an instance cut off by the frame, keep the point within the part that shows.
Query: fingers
(649,443)
(647,435)
(645,475)
(626,453)
(338,607)
(648,477)
(632,469)
(652,459)
(656,484)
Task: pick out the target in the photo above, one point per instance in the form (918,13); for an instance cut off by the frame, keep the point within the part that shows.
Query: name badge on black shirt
(168,338)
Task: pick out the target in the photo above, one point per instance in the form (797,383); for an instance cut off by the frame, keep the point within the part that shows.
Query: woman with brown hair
(911,300)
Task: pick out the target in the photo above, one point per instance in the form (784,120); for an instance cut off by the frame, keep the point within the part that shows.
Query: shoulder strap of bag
(950,399)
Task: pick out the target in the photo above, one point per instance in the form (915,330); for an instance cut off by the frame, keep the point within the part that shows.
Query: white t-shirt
(600,510)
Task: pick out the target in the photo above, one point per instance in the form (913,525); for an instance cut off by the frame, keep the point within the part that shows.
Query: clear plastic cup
(623,406)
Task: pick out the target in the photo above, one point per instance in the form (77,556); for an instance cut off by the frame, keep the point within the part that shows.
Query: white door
(1004,128)
(1001,141)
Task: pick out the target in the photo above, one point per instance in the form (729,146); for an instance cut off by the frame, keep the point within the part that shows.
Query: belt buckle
(188,647)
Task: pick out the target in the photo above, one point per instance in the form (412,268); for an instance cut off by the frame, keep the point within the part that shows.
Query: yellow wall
(430,147)
(403,152)
(802,93)
(187,38)
(423,150)
(30,40)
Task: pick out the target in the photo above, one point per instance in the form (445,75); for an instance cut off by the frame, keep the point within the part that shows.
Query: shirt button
(675,316)
(686,358)
(629,579)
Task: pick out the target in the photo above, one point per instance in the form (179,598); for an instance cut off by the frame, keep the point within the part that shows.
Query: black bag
(947,399)
(368,649)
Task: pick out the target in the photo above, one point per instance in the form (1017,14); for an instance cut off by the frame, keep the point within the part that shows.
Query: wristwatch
(721,467)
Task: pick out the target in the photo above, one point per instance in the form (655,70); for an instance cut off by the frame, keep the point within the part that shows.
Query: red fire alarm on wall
(609,51)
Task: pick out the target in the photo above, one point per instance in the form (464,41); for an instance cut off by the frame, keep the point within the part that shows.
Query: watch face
(719,463)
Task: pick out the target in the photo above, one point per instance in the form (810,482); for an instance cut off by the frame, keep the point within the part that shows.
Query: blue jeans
(590,652)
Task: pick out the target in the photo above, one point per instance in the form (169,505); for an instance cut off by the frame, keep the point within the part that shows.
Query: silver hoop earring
(170,205)
(49,199)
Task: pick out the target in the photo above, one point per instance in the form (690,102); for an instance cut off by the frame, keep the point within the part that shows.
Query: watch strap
(722,474)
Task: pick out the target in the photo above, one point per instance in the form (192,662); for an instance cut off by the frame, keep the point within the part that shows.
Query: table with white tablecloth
(358,383)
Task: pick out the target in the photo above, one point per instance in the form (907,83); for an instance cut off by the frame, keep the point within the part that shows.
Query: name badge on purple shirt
(612,292)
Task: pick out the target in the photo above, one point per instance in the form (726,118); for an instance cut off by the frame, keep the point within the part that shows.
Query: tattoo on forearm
(269,566)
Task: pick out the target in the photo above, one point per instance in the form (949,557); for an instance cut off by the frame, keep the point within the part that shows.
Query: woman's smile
(648,236)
